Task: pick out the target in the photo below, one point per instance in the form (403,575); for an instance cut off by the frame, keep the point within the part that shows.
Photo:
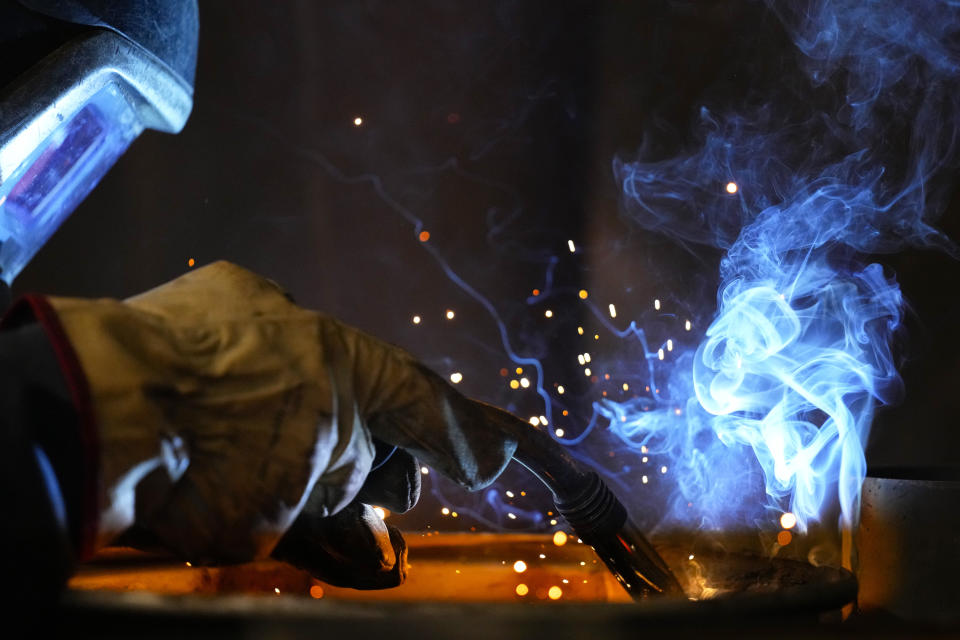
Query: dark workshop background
(495,124)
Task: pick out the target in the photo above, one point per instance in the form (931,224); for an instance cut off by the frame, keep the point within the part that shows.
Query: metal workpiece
(69,77)
(907,545)
(596,515)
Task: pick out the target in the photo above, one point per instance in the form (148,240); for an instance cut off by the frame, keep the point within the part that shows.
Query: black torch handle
(595,514)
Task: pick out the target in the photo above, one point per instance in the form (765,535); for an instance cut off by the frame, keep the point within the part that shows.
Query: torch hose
(596,515)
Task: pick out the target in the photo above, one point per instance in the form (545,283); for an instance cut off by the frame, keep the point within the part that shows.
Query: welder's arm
(228,417)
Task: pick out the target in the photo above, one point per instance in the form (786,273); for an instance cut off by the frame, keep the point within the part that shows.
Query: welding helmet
(79,81)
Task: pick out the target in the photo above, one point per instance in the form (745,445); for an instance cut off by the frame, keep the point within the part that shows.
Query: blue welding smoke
(846,161)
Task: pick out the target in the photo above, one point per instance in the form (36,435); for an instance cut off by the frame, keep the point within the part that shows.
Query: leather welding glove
(223,413)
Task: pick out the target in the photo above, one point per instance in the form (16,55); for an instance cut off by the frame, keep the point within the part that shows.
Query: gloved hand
(229,418)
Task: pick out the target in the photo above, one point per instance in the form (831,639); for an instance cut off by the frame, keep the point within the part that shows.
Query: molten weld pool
(549,574)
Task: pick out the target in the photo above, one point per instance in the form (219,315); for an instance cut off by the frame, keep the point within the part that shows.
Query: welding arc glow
(799,353)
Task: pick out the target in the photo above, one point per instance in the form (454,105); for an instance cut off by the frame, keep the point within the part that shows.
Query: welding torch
(594,512)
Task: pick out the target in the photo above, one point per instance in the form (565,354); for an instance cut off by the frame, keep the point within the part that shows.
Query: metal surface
(908,545)
(479,567)
(65,80)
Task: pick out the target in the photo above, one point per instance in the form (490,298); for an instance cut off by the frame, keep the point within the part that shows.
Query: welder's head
(79,81)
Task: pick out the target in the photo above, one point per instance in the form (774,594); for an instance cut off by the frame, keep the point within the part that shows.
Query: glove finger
(354,548)
(464,439)
(407,405)
(394,484)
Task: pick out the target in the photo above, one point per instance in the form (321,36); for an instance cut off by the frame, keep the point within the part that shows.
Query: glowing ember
(316,592)
(276,590)
(555,593)
(424,470)
(424,236)
(560,538)
(522,589)
(613,310)
(357,121)
(190,262)
(450,314)
(784,538)
(583,294)
(524,382)
(519,566)
(456,377)
(445,511)
(788,520)
(416,319)
(732,187)
(548,313)
(559,432)
(571,246)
